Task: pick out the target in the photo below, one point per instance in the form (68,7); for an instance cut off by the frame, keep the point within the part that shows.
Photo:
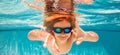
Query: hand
(92,36)
(76,37)
(48,39)
(78,33)
(50,44)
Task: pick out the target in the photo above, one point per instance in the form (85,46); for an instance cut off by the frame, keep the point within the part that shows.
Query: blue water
(17,19)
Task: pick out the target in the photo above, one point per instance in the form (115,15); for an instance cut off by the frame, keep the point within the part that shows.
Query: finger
(53,42)
(91,33)
(54,46)
(79,40)
(46,40)
(57,48)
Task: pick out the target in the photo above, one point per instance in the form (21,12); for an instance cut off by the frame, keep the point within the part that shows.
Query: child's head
(50,21)
(60,25)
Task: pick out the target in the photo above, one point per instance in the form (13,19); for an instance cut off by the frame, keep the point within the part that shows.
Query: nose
(63,33)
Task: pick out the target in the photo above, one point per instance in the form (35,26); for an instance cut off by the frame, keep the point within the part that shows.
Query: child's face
(62,36)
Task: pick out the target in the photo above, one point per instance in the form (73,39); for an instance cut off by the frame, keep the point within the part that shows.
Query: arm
(85,36)
(88,36)
(37,35)
(91,36)
(48,39)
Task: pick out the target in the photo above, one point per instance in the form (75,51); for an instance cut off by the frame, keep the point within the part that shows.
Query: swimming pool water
(17,19)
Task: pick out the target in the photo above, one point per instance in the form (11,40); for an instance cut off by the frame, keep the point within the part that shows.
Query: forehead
(62,23)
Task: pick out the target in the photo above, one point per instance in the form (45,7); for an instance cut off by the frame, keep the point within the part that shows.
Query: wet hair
(50,10)
(49,24)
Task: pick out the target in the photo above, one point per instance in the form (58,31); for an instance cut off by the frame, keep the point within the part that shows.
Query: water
(17,19)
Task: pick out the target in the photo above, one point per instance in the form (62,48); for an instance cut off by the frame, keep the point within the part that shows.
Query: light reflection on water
(16,19)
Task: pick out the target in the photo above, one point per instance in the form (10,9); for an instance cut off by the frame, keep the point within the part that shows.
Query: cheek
(68,35)
(58,35)
(55,35)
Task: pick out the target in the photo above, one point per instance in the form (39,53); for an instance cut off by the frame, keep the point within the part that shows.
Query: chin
(63,40)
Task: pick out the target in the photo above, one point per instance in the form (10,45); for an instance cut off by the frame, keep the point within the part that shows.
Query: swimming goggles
(59,30)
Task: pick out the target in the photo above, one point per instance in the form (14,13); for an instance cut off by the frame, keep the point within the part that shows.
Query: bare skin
(64,41)
(61,43)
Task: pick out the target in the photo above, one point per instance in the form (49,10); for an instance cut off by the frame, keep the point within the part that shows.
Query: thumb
(46,41)
(79,40)
(57,48)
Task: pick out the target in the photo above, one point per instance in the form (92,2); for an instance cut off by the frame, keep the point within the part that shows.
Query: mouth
(63,37)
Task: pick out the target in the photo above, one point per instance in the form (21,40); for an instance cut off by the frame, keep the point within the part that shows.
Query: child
(62,28)
(60,33)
